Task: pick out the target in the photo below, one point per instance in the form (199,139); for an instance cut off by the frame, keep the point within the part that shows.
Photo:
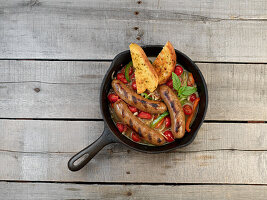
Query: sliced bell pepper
(189,119)
(127,70)
(190,80)
(160,123)
(156,121)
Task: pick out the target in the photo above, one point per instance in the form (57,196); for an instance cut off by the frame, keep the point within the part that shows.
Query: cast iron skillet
(111,133)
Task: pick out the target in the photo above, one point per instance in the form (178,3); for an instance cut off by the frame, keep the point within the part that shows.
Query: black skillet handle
(89,152)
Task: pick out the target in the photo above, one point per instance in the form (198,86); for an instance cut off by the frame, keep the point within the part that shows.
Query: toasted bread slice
(145,74)
(165,63)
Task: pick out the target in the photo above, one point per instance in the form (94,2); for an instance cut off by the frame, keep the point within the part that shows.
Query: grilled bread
(145,74)
(165,63)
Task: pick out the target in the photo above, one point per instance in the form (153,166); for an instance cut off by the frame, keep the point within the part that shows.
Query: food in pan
(153,104)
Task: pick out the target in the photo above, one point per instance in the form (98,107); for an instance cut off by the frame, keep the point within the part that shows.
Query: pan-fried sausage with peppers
(126,116)
(175,109)
(165,109)
(134,99)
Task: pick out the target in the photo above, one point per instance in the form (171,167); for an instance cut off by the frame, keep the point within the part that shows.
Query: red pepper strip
(190,80)
(159,124)
(189,119)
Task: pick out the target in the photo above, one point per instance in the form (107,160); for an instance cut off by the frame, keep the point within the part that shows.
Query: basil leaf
(176,81)
(181,90)
(189,90)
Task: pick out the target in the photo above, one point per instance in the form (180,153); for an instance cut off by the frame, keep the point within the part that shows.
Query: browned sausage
(175,110)
(134,99)
(126,116)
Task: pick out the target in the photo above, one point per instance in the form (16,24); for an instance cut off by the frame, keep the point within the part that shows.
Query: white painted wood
(205,31)
(71,90)
(35,191)
(39,151)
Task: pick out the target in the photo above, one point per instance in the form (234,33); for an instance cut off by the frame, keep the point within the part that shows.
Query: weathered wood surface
(37,150)
(35,191)
(65,89)
(205,31)
(47,136)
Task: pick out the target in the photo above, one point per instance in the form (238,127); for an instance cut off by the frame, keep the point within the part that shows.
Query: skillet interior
(152,51)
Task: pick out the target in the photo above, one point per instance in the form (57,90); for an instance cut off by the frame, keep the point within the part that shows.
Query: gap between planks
(95,119)
(110,60)
(34,191)
(127,183)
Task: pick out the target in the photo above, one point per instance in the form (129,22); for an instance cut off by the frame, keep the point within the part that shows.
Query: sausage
(134,99)
(175,110)
(126,116)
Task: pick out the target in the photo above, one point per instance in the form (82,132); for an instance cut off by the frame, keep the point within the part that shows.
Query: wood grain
(205,31)
(222,153)
(35,191)
(47,136)
(65,89)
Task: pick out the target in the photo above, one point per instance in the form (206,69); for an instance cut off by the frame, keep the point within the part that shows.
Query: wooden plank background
(70,89)
(35,191)
(39,150)
(72,43)
(205,31)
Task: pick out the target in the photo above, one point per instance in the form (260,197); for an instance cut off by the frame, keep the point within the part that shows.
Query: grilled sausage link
(134,99)
(175,110)
(126,116)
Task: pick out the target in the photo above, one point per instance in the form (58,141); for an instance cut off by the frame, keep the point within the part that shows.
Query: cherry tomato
(187,110)
(192,97)
(134,85)
(169,136)
(178,70)
(144,115)
(135,137)
(133,109)
(113,98)
(169,83)
(167,122)
(133,76)
(190,81)
(120,76)
(124,80)
(121,127)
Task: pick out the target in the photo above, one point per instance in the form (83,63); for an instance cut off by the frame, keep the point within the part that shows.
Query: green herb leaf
(181,90)
(176,81)
(189,90)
